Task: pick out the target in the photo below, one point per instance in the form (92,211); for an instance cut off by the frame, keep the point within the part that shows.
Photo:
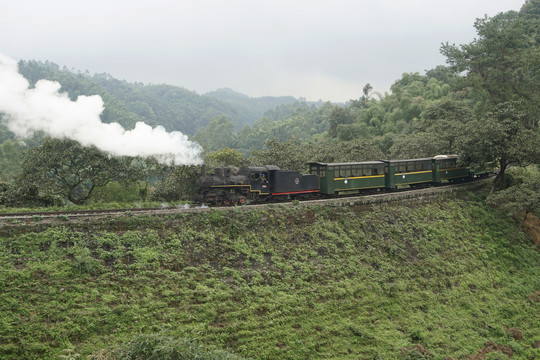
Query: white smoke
(45,108)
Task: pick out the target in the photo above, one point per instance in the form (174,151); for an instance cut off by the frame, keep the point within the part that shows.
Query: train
(238,186)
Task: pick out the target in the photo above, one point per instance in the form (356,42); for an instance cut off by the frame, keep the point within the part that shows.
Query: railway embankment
(441,276)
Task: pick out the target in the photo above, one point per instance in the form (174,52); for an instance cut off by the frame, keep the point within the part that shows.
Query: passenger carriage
(414,172)
(348,177)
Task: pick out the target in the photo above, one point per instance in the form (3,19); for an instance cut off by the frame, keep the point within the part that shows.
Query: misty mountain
(253,108)
(173,107)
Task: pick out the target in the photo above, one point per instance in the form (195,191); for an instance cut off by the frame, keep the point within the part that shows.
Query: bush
(162,346)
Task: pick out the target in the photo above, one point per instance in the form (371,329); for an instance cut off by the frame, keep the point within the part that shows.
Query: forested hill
(254,108)
(175,108)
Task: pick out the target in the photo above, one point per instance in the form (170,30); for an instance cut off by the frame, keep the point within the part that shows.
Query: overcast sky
(317,49)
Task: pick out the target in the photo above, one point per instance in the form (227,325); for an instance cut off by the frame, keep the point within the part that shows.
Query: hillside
(255,107)
(439,280)
(173,107)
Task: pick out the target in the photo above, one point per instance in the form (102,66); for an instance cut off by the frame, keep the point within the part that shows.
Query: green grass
(434,280)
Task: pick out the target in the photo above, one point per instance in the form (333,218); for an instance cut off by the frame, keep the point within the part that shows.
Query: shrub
(162,346)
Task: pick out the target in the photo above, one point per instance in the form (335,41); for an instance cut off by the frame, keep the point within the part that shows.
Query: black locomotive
(231,185)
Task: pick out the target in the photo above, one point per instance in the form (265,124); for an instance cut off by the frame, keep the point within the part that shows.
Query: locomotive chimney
(203,170)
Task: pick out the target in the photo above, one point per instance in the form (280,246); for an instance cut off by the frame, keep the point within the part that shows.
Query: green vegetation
(451,279)
(173,107)
(483,106)
(437,280)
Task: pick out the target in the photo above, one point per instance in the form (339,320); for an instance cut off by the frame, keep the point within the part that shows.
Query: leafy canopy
(67,169)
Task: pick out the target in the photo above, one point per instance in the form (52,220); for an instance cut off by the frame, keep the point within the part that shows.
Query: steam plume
(45,108)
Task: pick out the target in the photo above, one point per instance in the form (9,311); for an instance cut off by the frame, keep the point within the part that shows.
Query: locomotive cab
(258,179)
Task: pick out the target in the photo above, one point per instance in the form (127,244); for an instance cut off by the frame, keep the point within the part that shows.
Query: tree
(445,119)
(295,155)
(178,184)
(332,151)
(219,133)
(418,145)
(11,153)
(519,200)
(499,137)
(502,73)
(143,172)
(503,63)
(290,155)
(339,116)
(68,169)
(225,157)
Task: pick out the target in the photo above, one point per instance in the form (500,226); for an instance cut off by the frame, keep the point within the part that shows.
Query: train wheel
(226,202)
(219,202)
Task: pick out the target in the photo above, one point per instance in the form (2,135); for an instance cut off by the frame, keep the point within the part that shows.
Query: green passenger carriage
(348,177)
(390,174)
(412,172)
(449,169)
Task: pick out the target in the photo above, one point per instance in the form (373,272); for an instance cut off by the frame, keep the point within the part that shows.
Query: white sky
(317,49)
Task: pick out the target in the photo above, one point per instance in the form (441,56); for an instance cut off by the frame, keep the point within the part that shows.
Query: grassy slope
(440,279)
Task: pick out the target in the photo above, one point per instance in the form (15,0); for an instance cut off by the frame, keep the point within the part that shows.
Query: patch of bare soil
(532,228)
(534,297)
(514,333)
(491,347)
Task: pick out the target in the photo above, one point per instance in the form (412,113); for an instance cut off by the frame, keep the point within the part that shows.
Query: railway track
(365,197)
(92,213)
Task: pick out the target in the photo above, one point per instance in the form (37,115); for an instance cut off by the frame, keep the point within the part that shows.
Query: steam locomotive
(231,185)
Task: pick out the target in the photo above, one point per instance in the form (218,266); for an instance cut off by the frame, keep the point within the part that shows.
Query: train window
(254,176)
(375,171)
(347,171)
(319,170)
(446,164)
